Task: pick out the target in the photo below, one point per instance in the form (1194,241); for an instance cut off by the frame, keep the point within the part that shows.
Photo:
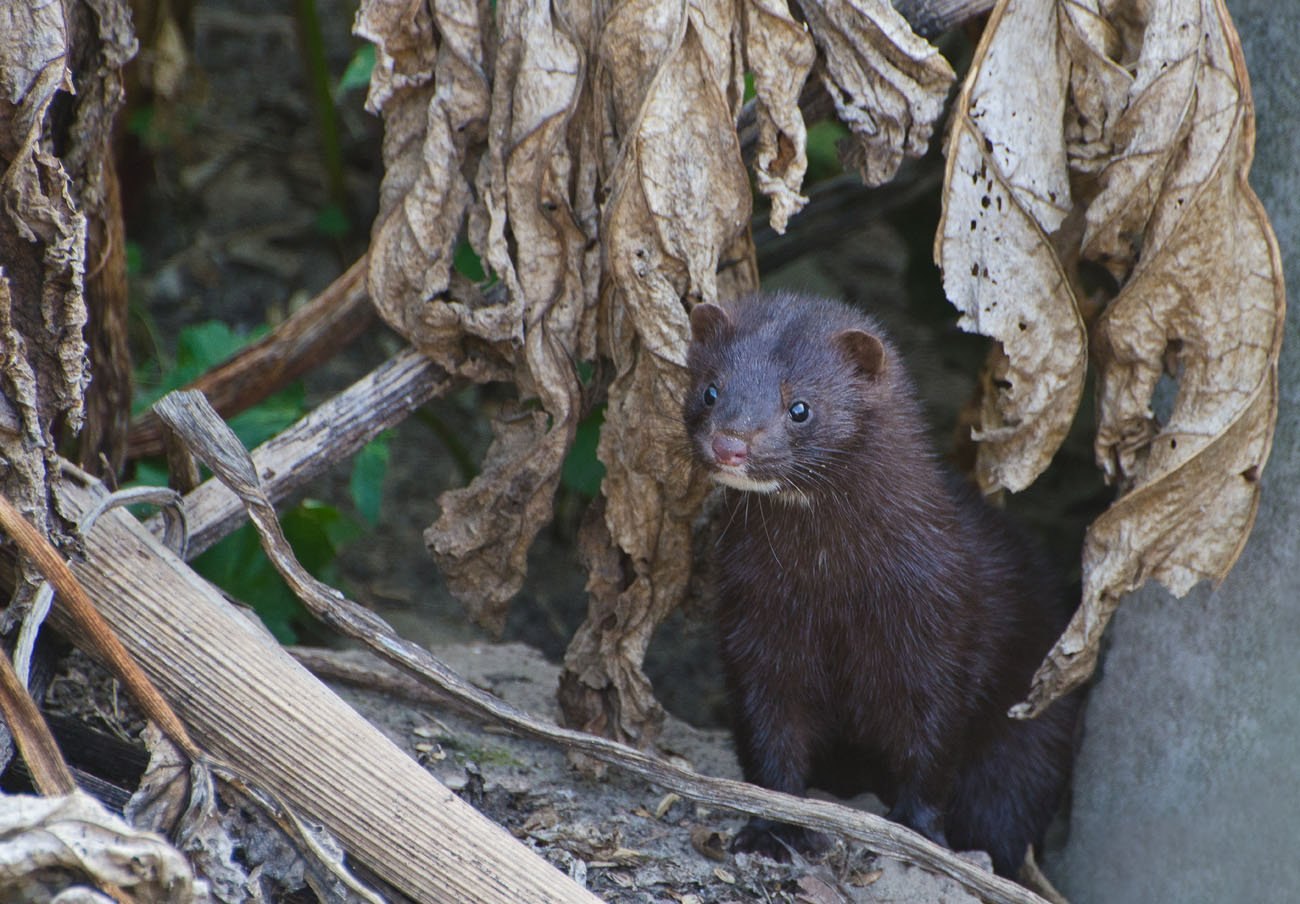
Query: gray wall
(1188,785)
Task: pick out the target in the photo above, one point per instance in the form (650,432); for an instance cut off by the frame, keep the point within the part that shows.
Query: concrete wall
(1188,784)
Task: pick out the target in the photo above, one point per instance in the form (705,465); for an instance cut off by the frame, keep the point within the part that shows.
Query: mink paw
(776,840)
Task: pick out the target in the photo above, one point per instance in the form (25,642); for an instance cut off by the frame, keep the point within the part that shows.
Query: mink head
(784,391)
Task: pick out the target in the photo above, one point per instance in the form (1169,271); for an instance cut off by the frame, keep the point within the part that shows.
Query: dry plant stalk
(49,772)
(245,700)
(103,641)
(1130,151)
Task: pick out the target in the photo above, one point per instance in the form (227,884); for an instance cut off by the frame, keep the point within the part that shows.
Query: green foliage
(367,482)
(823,149)
(468,264)
(134,259)
(239,567)
(357,75)
(583,471)
(199,349)
(316,531)
(332,222)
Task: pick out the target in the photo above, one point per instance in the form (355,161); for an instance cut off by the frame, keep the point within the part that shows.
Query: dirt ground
(223,217)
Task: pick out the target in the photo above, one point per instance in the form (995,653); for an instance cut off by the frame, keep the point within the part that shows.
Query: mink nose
(730,450)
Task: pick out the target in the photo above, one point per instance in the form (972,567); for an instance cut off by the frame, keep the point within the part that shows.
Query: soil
(224,214)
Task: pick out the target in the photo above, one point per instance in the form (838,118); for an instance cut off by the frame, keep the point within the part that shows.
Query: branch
(307,338)
(332,432)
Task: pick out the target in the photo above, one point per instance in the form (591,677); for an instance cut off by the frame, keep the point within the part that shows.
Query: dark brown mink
(876,618)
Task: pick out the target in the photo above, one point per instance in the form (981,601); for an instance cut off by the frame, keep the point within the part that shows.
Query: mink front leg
(772,742)
(925,785)
(919,815)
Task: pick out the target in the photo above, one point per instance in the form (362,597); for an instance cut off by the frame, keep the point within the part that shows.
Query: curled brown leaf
(888,84)
(780,53)
(678,199)
(537,193)
(1006,192)
(1130,152)
(1205,303)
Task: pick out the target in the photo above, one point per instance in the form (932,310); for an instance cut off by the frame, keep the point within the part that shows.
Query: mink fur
(876,619)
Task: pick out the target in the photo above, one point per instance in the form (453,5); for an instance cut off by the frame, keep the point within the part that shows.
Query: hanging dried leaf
(538,193)
(43,371)
(780,53)
(1204,301)
(678,198)
(1006,191)
(1150,121)
(430,86)
(888,84)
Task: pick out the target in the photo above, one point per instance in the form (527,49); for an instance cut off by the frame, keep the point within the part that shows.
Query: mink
(876,617)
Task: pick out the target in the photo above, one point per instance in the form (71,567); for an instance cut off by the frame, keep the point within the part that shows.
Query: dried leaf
(813,890)
(678,199)
(709,843)
(177,800)
(525,182)
(1206,299)
(1149,121)
(888,84)
(1006,191)
(429,84)
(67,840)
(780,53)
(42,246)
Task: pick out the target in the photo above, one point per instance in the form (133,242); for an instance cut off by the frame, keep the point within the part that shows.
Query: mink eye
(799,412)
(710,395)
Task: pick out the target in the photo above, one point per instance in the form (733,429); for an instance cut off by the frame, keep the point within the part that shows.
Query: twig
(333,431)
(308,337)
(49,772)
(78,606)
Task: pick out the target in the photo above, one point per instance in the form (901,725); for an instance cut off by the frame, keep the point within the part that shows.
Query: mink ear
(863,349)
(708,322)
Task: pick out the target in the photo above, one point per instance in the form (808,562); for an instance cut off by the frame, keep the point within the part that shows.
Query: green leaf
(264,420)
(468,264)
(823,149)
(199,348)
(134,258)
(583,471)
(357,75)
(238,565)
(332,222)
(367,481)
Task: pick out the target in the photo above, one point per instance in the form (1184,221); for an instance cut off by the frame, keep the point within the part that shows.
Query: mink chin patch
(748,484)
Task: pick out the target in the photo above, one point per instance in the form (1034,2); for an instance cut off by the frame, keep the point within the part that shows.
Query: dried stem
(74,600)
(309,337)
